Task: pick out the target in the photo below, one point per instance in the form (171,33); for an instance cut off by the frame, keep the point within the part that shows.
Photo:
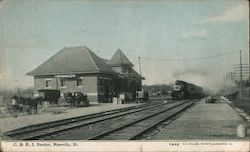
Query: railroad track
(134,129)
(111,124)
(46,129)
(103,130)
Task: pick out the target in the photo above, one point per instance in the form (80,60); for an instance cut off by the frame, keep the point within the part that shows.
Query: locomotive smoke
(201,78)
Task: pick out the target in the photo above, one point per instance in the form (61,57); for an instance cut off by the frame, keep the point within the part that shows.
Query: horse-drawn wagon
(141,96)
(76,99)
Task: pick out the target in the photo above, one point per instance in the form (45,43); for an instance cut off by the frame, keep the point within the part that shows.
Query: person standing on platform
(13,103)
(122,97)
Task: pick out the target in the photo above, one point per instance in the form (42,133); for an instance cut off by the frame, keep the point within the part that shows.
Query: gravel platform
(204,121)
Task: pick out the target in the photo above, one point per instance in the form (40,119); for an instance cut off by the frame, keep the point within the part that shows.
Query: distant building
(78,69)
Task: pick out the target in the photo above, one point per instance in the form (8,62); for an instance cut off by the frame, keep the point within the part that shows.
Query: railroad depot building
(78,69)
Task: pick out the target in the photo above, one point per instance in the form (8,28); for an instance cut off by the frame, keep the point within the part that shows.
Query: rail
(40,130)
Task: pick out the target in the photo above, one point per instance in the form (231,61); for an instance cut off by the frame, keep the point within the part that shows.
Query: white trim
(80,86)
(65,76)
(63,87)
(46,79)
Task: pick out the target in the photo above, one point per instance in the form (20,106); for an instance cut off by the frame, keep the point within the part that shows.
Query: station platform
(11,123)
(204,121)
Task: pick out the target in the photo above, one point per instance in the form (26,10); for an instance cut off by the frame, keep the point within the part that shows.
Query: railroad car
(141,96)
(184,90)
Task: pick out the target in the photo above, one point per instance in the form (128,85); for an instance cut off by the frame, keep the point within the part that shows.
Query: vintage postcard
(127,75)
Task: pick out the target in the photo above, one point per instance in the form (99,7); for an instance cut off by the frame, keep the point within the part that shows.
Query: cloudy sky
(193,40)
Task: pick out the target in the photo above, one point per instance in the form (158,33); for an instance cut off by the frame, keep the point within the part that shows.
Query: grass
(243,104)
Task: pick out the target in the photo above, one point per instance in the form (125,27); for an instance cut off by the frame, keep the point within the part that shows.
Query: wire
(190,59)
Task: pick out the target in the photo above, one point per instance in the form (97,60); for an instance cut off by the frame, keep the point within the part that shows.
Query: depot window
(124,69)
(62,83)
(47,83)
(79,82)
(101,82)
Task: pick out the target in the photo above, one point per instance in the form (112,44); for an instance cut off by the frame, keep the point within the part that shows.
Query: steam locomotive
(184,90)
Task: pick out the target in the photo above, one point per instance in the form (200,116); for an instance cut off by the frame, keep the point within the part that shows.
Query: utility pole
(139,58)
(231,77)
(225,81)
(241,87)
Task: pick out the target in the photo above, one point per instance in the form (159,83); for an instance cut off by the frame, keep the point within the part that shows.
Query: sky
(194,40)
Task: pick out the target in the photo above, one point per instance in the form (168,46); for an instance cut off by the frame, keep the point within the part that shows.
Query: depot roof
(72,60)
(119,59)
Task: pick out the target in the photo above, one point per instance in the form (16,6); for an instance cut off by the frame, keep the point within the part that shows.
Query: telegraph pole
(139,58)
(231,77)
(241,87)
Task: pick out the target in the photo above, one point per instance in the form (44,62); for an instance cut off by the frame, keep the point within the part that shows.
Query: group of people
(122,97)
